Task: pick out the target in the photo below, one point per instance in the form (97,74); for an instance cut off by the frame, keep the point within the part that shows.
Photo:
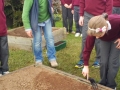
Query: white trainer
(54,63)
(0,74)
(77,34)
(37,64)
(73,32)
(81,35)
(6,72)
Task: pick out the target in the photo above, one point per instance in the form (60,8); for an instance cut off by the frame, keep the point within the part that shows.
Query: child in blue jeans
(35,27)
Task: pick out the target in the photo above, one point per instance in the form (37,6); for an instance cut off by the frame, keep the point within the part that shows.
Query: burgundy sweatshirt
(111,35)
(96,7)
(116,3)
(75,3)
(3,28)
(66,2)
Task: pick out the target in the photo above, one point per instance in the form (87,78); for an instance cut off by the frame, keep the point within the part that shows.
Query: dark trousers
(4,53)
(76,19)
(67,17)
(116,10)
(87,17)
(109,63)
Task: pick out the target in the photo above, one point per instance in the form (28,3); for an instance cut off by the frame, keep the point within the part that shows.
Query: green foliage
(19,59)
(8,11)
(17,18)
(56,6)
(13,11)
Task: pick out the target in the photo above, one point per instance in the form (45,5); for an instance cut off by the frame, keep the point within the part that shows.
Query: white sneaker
(67,32)
(37,64)
(73,32)
(77,34)
(81,35)
(54,63)
(7,72)
(0,74)
(115,88)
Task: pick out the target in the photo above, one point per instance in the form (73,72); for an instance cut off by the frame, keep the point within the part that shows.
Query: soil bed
(44,78)
(17,38)
(20,32)
(40,78)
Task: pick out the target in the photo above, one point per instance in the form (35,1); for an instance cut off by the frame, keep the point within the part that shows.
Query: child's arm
(90,40)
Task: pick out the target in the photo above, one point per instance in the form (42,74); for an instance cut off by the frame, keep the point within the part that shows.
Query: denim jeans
(37,41)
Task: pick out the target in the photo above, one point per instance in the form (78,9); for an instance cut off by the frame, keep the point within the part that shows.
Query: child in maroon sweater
(88,9)
(67,15)
(98,27)
(4,52)
(75,11)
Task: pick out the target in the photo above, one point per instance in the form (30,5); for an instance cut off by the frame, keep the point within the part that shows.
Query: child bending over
(107,29)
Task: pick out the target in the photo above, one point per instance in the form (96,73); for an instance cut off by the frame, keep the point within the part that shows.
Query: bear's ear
(105,15)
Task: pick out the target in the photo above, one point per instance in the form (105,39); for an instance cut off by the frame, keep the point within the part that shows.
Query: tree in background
(13,11)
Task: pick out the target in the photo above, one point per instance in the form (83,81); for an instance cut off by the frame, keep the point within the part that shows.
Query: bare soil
(40,78)
(20,32)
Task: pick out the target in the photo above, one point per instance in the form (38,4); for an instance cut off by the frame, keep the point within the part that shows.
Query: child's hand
(81,20)
(70,6)
(66,5)
(29,33)
(118,43)
(72,11)
(85,72)
(52,9)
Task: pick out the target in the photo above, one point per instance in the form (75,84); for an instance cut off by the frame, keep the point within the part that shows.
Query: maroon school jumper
(75,3)
(96,7)
(66,2)
(116,3)
(3,27)
(111,35)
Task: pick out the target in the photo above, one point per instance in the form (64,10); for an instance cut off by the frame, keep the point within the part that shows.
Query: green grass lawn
(66,58)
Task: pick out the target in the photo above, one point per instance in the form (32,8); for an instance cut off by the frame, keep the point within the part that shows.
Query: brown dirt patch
(20,32)
(39,78)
